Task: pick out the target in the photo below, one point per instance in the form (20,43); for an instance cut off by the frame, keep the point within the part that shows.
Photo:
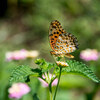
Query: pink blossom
(17,55)
(17,90)
(21,54)
(89,54)
(44,84)
(54,83)
(48,79)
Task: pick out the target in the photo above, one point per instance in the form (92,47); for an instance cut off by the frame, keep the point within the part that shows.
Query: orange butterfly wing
(60,41)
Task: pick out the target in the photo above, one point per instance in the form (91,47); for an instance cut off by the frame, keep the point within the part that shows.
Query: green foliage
(80,68)
(44,66)
(74,67)
(21,74)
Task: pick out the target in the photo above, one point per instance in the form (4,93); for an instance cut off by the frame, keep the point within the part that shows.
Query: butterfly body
(62,43)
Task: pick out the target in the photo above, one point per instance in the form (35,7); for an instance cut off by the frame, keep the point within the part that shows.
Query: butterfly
(61,42)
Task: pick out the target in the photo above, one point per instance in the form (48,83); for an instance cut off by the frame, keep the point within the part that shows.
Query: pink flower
(17,90)
(48,79)
(89,54)
(54,83)
(21,54)
(16,55)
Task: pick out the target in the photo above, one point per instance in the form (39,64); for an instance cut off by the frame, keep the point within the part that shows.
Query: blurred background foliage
(25,24)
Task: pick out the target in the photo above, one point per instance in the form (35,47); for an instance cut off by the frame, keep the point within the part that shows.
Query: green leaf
(39,61)
(21,74)
(80,68)
(45,66)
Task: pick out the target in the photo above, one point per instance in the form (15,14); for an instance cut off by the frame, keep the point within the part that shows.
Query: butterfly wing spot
(57,44)
(64,50)
(57,47)
(54,26)
(67,49)
(64,44)
(51,35)
(67,45)
(58,41)
(56,36)
(57,32)
(52,38)
(61,47)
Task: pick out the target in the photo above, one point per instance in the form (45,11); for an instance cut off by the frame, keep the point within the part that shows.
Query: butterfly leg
(69,55)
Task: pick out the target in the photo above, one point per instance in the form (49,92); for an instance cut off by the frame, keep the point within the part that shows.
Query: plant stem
(57,83)
(50,91)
